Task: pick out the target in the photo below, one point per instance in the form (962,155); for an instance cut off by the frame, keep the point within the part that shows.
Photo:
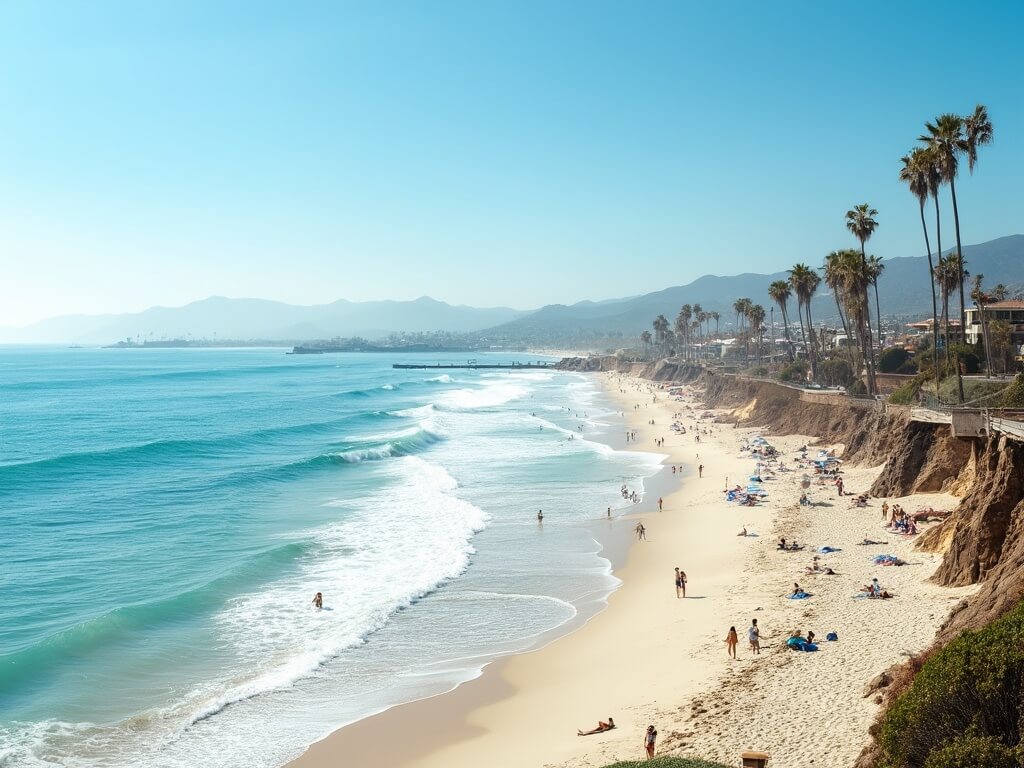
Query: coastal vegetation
(853,353)
(965,705)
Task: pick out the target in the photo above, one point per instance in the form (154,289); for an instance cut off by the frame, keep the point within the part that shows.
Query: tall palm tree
(780,292)
(875,270)
(946,280)
(977,133)
(945,138)
(805,282)
(833,275)
(645,338)
(716,316)
(756,317)
(980,299)
(861,221)
(660,325)
(739,307)
(683,323)
(921,176)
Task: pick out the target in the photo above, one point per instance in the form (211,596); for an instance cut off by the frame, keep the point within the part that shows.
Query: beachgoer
(649,738)
(318,600)
(731,641)
(754,636)
(682,582)
(743,532)
(679,584)
(601,728)
(700,471)
(641,532)
(540,515)
(660,503)
(810,636)
(609,513)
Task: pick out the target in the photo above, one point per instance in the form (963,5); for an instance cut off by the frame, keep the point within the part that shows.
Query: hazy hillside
(903,291)
(260,319)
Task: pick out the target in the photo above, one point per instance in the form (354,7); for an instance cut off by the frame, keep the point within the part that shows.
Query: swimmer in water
(540,515)
(318,600)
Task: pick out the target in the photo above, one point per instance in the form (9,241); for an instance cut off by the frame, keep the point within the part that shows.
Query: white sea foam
(493,394)
(363,567)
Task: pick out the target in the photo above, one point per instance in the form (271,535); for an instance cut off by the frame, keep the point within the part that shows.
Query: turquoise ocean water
(167,515)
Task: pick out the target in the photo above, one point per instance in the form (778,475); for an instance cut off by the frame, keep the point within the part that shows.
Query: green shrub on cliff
(835,373)
(974,752)
(892,359)
(906,394)
(966,705)
(795,371)
(1013,397)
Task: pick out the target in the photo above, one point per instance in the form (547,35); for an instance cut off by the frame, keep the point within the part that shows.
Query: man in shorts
(754,636)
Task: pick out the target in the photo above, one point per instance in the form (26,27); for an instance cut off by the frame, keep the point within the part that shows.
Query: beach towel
(810,647)
(800,596)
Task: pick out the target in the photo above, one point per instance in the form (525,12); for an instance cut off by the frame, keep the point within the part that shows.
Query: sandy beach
(651,658)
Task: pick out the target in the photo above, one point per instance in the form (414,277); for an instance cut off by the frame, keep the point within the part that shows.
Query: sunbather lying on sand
(601,728)
(870,542)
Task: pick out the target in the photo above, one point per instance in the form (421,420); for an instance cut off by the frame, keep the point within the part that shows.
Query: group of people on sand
(629,495)
(875,590)
(650,735)
(753,637)
(900,521)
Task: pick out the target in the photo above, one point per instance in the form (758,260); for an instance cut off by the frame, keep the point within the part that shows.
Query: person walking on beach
(661,503)
(731,641)
(754,636)
(641,532)
(680,583)
(649,739)
(839,486)
(700,471)
(318,600)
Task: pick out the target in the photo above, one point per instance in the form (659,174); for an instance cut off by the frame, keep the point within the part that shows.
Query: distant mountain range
(225,318)
(903,292)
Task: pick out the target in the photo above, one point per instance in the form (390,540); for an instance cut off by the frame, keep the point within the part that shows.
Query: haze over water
(168,515)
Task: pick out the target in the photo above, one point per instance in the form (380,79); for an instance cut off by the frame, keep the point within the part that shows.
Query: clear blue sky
(515,153)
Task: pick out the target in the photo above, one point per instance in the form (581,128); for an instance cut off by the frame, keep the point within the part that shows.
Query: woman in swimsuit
(601,728)
(731,641)
(318,600)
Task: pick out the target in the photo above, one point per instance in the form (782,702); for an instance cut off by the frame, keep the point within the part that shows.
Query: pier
(473,364)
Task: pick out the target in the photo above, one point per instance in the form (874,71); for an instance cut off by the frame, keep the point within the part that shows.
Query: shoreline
(436,725)
(648,658)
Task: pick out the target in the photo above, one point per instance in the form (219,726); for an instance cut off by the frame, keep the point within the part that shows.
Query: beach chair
(754,759)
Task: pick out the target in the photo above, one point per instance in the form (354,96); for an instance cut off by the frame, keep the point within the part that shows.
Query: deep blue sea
(166,517)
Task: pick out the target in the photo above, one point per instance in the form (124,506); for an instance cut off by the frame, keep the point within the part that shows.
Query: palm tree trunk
(984,337)
(870,351)
(814,350)
(803,336)
(935,309)
(960,284)
(878,314)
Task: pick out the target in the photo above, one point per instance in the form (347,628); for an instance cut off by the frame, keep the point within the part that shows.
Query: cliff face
(987,528)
